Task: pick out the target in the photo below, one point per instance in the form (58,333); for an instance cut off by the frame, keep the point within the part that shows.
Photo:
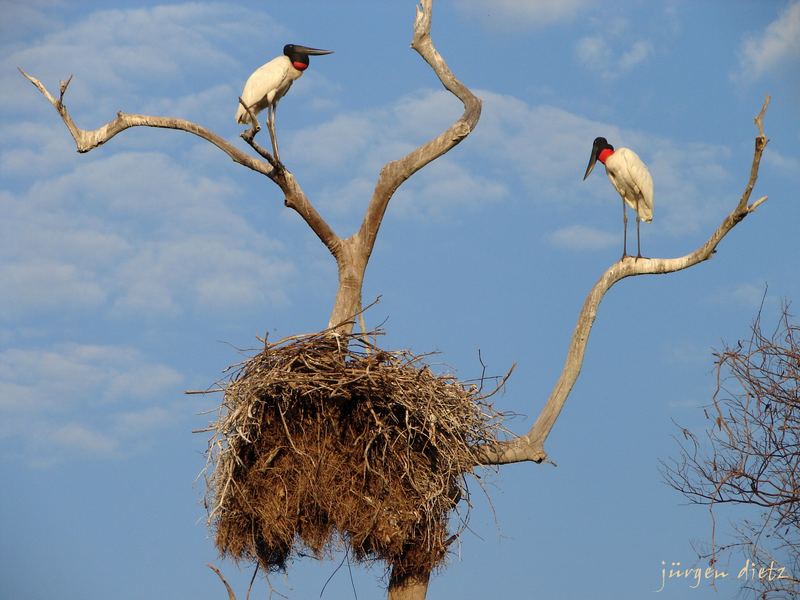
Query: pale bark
(394,173)
(228,588)
(87,140)
(530,447)
(410,588)
(351,254)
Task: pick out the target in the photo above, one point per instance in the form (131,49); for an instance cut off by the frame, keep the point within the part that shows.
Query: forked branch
(87,140)
(355,250)
(530,447)
(394,173)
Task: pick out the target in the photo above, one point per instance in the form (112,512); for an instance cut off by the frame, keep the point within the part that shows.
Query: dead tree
(750,455)
(352,253)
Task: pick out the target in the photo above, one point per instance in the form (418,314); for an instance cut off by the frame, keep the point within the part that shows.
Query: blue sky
(140,270)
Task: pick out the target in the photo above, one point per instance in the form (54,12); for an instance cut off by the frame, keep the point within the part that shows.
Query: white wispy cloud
(745,294)
(689,353)
(582,237)
(104,237)
(82,400)
(508,142)
(597,55)
(517,14)
(68,374)
(193,106)
(191,252)
(445,187)
(175,50)
(788,165)
(349,149)
(23,17)
(123,232)
(349,134)
(213,273)
(78,438)
(638,53)
(693,187)
(748,294)
(776,47)
(36,285)
(136,422)
(545,148)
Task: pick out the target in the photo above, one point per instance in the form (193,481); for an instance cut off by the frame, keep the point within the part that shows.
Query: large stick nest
(327,442)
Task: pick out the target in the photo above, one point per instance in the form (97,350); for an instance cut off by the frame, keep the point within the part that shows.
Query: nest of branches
(327,442)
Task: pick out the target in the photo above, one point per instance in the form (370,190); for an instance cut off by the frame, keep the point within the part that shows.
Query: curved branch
(394,173)
(228,588)
(87,140)
(295,198)
(530,447)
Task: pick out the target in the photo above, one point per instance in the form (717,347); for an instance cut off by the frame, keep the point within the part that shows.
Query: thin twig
(231,595)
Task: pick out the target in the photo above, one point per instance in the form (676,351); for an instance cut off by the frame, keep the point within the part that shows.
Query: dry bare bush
(750,454)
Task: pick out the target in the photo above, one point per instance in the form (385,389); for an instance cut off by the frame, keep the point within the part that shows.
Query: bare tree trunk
(352,254)
(352,263)
(413,587)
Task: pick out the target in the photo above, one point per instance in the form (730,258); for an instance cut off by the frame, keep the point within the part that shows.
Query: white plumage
(266,86)
(630,177)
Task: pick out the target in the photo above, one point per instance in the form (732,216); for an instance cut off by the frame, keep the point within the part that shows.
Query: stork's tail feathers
(644,212)
(242,116)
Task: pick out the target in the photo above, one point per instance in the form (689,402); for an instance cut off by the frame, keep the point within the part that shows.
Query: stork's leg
(625,230)
(251,119)
(271,126)
(638,239)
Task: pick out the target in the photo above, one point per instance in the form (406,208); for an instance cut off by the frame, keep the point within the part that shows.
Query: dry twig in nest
(327,442)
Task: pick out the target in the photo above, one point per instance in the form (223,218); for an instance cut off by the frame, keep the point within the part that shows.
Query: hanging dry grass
(329,442)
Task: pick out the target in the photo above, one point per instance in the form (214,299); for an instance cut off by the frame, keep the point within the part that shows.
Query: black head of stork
(299,54)
(600,144)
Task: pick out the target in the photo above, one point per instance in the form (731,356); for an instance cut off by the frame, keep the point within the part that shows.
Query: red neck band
(604,154)
(299,65)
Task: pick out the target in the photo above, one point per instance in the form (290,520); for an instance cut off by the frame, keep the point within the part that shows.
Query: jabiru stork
(270,82)
(631,179)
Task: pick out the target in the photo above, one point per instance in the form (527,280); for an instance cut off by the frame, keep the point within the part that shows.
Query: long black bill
(311,51)
(592,160)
